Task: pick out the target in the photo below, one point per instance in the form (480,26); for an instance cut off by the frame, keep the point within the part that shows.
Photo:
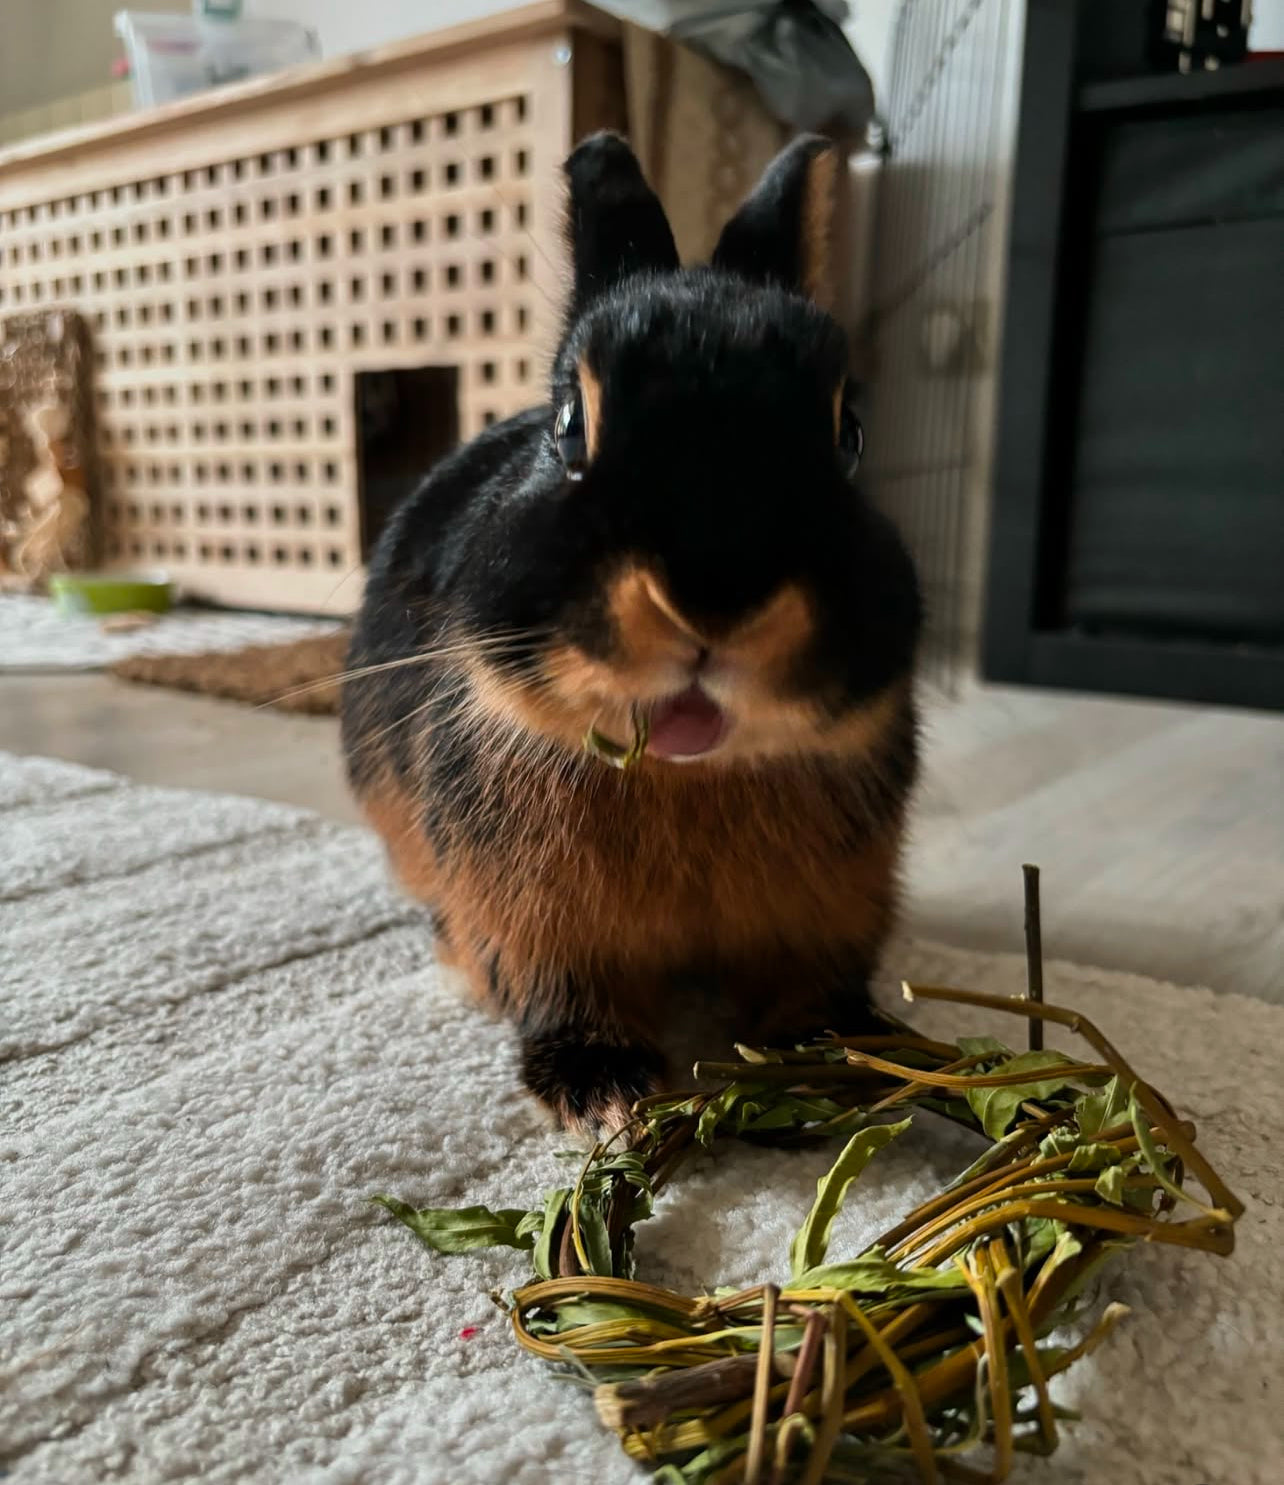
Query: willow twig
(1033,951)
(756,1454)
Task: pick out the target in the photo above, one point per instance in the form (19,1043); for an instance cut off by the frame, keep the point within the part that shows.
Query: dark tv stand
(1137,540)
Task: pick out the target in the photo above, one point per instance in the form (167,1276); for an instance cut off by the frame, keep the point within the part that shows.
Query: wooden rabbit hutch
(255,265)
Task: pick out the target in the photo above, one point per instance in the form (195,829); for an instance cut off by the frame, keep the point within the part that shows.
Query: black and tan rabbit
(672,543)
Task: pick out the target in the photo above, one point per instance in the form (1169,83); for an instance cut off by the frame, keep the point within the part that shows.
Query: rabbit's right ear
(781,233)
(616,224)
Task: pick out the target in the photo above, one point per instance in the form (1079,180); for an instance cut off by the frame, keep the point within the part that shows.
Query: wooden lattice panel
(241,268)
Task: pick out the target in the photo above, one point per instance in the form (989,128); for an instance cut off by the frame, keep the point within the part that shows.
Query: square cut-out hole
(407,419)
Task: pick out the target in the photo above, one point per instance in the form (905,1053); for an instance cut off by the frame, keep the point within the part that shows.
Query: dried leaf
(1101,1109)
(973,1046)
(620,755)
(1156,1163)
(554,1206)
(595,1242)
(874,1273)
(457,1230)
(997,1107)
(722,1104)
(1109,1185)
(1093,1157)
(811,1242)
(572,1314)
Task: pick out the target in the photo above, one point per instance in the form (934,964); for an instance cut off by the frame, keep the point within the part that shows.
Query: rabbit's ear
(616,224)
(781,233)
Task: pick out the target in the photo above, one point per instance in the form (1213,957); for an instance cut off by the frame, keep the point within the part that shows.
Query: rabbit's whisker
(490,643)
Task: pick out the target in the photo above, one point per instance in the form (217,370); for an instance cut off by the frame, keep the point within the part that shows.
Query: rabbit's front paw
(590,1085)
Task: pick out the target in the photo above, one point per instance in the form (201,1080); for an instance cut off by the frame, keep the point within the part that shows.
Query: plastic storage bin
(173,56)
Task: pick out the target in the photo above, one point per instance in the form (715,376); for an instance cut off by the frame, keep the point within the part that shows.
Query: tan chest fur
(656,871)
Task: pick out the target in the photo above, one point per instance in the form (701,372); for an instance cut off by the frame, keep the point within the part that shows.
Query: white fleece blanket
(220,1032)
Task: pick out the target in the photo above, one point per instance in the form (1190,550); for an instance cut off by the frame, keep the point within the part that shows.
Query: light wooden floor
(1160,829)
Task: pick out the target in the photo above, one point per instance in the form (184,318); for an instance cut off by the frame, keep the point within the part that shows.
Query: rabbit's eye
(570,438)
(851,440)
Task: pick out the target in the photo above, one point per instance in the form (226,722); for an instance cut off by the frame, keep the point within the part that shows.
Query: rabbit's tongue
(687,725)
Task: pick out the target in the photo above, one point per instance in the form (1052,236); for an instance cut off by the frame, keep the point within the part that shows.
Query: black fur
(616,225)
(586,1077)
(763,241)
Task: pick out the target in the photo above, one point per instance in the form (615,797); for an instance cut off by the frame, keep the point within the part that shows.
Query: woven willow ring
(932,1341)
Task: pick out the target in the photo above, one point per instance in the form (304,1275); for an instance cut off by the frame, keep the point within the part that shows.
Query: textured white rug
(34,636)
(220,1031)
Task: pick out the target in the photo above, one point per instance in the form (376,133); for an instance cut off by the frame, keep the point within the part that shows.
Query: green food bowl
(111,592)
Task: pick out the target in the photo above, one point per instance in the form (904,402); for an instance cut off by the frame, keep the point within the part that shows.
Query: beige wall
(52,49)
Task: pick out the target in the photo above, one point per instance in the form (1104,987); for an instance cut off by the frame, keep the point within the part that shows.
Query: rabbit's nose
(658,597)
(646,616)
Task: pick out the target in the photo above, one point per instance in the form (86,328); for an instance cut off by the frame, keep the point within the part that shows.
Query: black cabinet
(1138,530)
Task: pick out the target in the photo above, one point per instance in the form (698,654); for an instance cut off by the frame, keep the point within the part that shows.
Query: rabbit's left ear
(616,224)
(782,232)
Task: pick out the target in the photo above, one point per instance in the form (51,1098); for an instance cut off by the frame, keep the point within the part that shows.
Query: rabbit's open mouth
(687,725)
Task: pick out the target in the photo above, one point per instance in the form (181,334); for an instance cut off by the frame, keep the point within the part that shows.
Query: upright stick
(1033,952)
